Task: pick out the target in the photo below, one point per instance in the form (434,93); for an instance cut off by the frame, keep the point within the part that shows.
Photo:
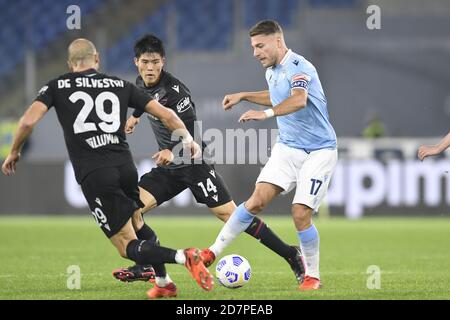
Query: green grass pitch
(412,254)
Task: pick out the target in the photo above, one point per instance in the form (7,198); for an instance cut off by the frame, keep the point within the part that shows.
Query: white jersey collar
(286,56)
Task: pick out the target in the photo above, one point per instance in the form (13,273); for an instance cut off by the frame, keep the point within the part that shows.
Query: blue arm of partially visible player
(31,117)
(296,101)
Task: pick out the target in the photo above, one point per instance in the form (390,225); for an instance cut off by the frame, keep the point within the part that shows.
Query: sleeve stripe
(298,77)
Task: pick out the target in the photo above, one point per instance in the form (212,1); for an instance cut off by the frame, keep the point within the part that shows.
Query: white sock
(312,262)
(238,223)
(180,258)
(163,281)
(309,243)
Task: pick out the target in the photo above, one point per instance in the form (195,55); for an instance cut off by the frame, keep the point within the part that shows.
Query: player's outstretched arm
(131,124)
(168,117)
(260,97)
(295,102)
(26,124)
(171,121)
(426,151)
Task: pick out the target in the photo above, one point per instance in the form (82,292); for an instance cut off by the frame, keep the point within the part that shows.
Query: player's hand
(193,148)
(163,157)
(131,124)
(196,150)
(9,165)
(230,100)
(253,115)
(426,151)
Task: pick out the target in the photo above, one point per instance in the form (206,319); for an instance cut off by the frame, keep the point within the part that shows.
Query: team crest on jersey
(183,105)
(176,88)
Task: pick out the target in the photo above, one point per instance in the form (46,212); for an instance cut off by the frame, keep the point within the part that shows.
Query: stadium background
(399,75)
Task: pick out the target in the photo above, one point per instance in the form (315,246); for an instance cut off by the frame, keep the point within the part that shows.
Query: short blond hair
(81,50)
(265,27)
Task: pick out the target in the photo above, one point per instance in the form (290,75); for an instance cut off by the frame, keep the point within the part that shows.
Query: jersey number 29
(110,121)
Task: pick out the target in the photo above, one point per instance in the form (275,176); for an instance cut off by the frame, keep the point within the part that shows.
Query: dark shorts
(113,196)
(205,183)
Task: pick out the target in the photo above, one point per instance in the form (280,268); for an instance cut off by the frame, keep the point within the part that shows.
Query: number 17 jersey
(92,110)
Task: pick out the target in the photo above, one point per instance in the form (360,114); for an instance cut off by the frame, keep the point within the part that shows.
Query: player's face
(265,49)
(150,66)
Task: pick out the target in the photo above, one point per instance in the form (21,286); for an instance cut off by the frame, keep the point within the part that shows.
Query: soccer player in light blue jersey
(305,154)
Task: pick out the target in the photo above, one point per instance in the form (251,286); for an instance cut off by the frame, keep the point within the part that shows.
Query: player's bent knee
(149,207)
(302,215)
(147,199)
(122,238)
(261,197)
(255,204)
(121,247)
(224,211)
(123,252)
(137,220)
(223,216)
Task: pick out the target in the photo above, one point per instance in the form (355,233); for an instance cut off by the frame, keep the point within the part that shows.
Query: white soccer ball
(233,271)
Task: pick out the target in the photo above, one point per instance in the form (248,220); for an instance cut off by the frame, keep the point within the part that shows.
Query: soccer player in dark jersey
(92,109)
(171,177)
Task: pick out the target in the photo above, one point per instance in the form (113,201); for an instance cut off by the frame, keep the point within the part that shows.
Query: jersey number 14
(210,187)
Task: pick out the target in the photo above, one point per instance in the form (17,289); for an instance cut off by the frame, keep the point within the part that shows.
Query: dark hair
(265,27)
(149,44)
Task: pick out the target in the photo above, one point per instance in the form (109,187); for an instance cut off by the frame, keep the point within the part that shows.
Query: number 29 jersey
(92,110)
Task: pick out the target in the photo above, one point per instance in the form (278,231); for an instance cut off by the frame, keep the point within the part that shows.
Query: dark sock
(160,270)
(144,252)
(147,233)
(259,230)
